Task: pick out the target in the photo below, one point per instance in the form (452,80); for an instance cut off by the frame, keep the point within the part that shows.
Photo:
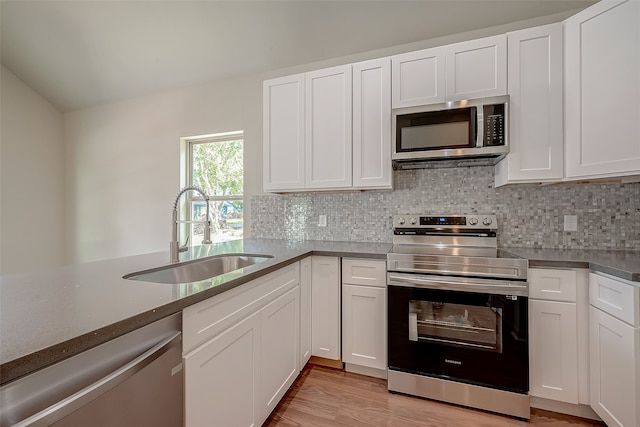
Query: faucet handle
(184,247)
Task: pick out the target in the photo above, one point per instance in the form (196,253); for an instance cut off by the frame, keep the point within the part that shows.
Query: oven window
(459,325)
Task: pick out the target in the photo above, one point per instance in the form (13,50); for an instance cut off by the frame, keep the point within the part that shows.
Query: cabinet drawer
(553,285)
(208,318)
(615,297)
(364,272)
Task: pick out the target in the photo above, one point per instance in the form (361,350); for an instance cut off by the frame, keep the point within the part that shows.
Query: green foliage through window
(216,165)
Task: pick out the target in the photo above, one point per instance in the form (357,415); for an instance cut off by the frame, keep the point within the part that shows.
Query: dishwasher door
(133,380)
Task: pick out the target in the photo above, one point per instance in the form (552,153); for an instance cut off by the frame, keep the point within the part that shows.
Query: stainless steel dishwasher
(133,380)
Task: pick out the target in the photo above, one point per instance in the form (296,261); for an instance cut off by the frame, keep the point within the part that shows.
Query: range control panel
(487,222)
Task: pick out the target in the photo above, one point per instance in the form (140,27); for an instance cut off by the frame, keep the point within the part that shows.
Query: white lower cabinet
(279,334)
(558,339)
(305,312)
(615,351)
(220,378)
(614,370)
(241,351)
(364,316)
(554,350)
(325,309)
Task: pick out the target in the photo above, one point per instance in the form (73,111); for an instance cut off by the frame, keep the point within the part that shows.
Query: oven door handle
(484,286)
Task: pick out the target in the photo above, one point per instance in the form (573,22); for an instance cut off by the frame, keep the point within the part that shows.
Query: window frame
(186,174)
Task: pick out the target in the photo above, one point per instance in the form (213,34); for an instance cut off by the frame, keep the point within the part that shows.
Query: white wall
(123,158)
(31,179)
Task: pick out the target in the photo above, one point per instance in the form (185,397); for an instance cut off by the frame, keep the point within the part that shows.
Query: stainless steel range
(457,314)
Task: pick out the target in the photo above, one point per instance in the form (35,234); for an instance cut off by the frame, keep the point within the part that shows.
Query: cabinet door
(418,78)
(477,68)
(328,128)
(283,133)
(615,362)
(279,331)
(364,326)
(220,378)
(602,98)
(553,350)
(325,297)
(372,124)
(305,312)
(536,133)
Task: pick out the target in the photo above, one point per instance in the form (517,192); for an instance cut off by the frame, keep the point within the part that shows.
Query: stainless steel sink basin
(196,270)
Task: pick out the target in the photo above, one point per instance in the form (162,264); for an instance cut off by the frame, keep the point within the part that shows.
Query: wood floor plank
(327,397)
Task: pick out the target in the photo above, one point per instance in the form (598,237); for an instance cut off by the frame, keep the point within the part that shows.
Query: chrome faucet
(175,247)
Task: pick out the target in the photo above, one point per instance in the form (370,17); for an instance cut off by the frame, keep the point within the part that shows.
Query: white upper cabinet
(419,77)
(328,128)
(536,133)
(283,133)
(372,124)
(466,70)
(477,68)
(602,90)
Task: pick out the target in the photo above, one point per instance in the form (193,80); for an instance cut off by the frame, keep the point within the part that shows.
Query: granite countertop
(622,264)
(48,316)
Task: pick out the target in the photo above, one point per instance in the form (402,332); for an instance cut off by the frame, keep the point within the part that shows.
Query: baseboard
(582,411)
(330,363)
(365,370)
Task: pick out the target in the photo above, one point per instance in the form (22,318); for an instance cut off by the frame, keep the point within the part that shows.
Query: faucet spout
(174,245)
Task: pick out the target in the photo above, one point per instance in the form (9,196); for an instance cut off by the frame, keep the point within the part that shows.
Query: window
(214,163)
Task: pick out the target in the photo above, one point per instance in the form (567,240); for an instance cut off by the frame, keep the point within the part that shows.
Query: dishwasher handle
(77,400)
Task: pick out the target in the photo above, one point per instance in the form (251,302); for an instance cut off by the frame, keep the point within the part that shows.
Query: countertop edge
(42,358)
(628,270)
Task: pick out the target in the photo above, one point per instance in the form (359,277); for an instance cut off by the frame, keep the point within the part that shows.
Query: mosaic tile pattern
(528,216)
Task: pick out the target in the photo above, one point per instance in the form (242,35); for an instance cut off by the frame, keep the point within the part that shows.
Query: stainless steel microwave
(471,129)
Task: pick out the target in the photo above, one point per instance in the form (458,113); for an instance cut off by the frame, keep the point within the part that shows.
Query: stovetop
(463,245)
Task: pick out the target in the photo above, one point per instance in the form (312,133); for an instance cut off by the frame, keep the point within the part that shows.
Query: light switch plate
(322,221)
(570,223)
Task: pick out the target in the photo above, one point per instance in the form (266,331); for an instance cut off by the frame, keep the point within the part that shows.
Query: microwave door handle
(479,126)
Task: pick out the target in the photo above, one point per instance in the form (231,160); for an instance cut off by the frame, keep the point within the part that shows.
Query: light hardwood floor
(326,397)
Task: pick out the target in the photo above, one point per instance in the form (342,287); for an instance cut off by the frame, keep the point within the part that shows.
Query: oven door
(460,329)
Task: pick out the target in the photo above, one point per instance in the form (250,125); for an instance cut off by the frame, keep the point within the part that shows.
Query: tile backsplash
(528,216)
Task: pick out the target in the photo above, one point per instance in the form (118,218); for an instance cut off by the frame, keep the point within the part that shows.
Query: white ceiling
(78,54)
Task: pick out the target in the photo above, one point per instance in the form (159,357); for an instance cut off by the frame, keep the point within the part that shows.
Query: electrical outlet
(322,221)
(570,223)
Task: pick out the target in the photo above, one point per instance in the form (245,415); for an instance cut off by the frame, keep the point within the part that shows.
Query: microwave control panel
(494,120)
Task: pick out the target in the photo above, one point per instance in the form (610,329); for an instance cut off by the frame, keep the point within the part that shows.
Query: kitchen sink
(196,270)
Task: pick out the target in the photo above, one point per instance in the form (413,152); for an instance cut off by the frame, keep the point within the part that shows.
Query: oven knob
(473,221)
(487,221)
(400,221)
(413,221)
